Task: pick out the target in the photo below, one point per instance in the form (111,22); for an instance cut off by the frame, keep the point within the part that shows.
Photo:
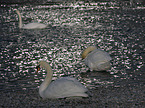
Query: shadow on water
(95,74)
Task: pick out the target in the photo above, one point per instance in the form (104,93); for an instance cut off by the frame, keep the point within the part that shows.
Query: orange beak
(38,68)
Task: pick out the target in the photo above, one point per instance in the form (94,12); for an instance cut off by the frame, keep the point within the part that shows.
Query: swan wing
(34,26)
(98,60)
(65,87)
(99,55)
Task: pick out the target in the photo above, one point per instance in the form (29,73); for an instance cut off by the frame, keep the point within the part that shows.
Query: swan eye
(38,68)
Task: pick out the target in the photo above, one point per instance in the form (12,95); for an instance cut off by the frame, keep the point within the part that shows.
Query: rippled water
(71,29)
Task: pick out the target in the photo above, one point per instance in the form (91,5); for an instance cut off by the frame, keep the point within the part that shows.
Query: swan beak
(38,68)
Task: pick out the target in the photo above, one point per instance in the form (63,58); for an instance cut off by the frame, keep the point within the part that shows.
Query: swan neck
(20,19)
(87,51)
(48,77)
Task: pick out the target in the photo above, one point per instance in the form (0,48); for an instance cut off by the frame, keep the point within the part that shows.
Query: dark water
(71,28)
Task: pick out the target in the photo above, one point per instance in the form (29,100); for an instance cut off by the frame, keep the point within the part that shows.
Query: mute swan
(96,59)
(30,25)
(60,88)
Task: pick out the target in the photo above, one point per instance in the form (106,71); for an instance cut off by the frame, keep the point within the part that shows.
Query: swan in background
(30,25)
(96,59)
(60,88)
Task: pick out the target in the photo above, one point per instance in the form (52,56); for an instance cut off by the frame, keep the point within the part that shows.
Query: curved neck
(87,51)
(20,19)
(48,78)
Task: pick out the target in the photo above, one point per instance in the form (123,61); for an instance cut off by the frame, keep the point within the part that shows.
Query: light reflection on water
(70,31)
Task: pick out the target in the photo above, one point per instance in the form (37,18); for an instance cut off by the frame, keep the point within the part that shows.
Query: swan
(30,25)
(60,88)
(96,59)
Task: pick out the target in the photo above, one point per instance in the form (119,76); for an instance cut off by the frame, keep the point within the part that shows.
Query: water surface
(71,29)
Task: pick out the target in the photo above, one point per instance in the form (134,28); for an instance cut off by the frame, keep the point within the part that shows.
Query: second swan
(96,59)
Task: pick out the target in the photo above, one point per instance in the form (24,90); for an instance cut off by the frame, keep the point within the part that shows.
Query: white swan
(60,88)
(30,25)
(96,59)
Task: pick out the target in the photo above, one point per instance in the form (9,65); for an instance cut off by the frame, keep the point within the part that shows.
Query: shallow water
(71,29)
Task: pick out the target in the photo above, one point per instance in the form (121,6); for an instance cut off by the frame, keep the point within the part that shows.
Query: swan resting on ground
(30,25)
(96,59)
(60,88)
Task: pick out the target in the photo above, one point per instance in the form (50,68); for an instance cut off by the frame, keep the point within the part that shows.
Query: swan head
(42,64)
(87,51)
(14,9)
(17,11)
(39,65)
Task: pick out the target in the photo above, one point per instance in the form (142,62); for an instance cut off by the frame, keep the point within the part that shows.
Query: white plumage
(96,59)
(60,88)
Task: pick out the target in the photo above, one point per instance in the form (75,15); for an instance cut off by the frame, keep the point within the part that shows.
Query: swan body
(96,59)
(60,88)
(30,25)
